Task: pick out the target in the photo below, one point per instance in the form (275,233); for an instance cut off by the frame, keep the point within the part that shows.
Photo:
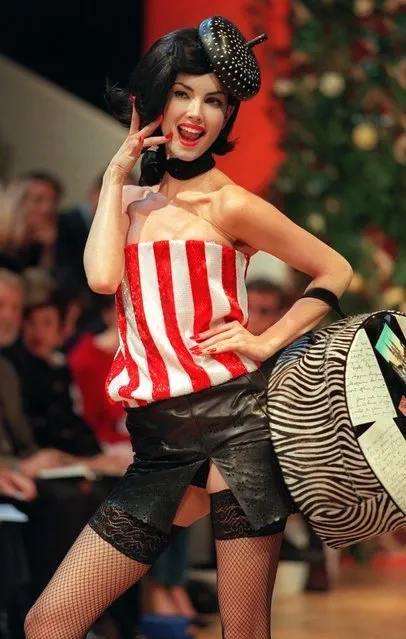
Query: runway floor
(367,604)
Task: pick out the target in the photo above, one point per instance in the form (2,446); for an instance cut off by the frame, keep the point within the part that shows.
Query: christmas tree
(344,177)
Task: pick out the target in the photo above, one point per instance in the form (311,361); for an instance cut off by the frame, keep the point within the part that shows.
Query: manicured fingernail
(132,99)
(211,350)
(169,136)
(196,350)
(195,337)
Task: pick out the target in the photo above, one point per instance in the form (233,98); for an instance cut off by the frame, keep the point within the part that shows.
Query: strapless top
(171,291)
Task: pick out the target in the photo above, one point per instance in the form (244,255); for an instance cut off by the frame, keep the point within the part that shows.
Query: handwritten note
(367,394)
(385,450)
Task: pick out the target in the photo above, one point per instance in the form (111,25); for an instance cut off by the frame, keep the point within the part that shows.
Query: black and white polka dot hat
(231,57)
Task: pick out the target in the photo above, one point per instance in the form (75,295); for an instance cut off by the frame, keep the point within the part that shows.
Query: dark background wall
(74,43)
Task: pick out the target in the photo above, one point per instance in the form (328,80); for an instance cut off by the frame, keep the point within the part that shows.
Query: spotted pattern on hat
(231,59)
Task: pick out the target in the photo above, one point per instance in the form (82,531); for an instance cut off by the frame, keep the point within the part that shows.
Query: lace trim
(131,536)
(230,521)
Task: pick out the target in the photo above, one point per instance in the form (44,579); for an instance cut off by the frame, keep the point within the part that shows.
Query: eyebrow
(210,93)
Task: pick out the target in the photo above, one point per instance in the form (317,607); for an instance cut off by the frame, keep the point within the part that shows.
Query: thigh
(92,575)
(216,482)
(194,505)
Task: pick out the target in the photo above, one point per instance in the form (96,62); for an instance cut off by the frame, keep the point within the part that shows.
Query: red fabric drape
(253,163)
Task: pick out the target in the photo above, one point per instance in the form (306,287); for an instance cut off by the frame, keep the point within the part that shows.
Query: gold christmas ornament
(332,205)
(357,283)
(393,297)
(384,264)
(399,149)
(301,13)
(309,156)
(364,8)
(283,87)
(310,81)
(365,136)
(316,222)
(332,84)
(300,58)
(399,72)
(357,73)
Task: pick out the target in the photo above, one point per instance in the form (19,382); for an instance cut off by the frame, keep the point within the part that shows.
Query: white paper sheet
(385,449)
(10,513)
(62,472)
(367,394)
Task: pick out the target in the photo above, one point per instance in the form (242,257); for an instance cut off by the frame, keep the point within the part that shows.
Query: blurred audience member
(14,572)
(47,390)
(16,485)
(28,222)
(267,302)
(73,229)
(18,449)
(12,294)
(90,361)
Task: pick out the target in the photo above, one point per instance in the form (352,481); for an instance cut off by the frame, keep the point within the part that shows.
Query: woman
(28,222)
(175,251)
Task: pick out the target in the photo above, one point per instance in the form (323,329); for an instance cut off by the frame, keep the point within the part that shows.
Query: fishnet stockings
(247,562)
(246,571)
(109,556)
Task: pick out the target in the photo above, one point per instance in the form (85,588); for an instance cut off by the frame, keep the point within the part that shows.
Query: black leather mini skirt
(175,439)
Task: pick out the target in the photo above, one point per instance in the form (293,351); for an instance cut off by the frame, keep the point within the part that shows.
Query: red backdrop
(252,164)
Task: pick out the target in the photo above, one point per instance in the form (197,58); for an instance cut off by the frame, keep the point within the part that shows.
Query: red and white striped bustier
(171,291)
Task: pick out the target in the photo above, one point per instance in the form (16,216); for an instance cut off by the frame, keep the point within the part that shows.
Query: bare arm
(104,251)
(263,227)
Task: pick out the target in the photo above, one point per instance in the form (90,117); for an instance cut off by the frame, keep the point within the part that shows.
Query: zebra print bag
(337,409)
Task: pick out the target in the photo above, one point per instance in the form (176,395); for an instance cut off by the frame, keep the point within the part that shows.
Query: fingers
(135,119)
(161,139)
(228,326)
(150,128)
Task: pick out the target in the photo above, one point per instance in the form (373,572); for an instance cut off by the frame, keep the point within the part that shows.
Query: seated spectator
(28,222)
(16,485)
(14,573)
(267,302)
(47,390)
(18,449)
(90,361)
(12,293)
(63,506)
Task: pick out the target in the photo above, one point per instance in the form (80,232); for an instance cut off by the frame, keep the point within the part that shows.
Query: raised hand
(126,157)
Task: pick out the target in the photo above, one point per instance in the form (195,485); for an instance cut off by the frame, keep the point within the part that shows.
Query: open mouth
(190,135)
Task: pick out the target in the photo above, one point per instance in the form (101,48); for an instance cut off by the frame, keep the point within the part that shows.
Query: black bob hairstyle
(150,83)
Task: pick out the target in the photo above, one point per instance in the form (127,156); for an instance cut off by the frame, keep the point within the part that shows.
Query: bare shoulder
(231,201)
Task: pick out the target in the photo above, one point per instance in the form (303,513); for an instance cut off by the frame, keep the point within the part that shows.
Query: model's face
(196,112)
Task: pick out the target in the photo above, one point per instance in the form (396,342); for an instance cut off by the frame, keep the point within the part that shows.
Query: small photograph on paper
(393,351)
